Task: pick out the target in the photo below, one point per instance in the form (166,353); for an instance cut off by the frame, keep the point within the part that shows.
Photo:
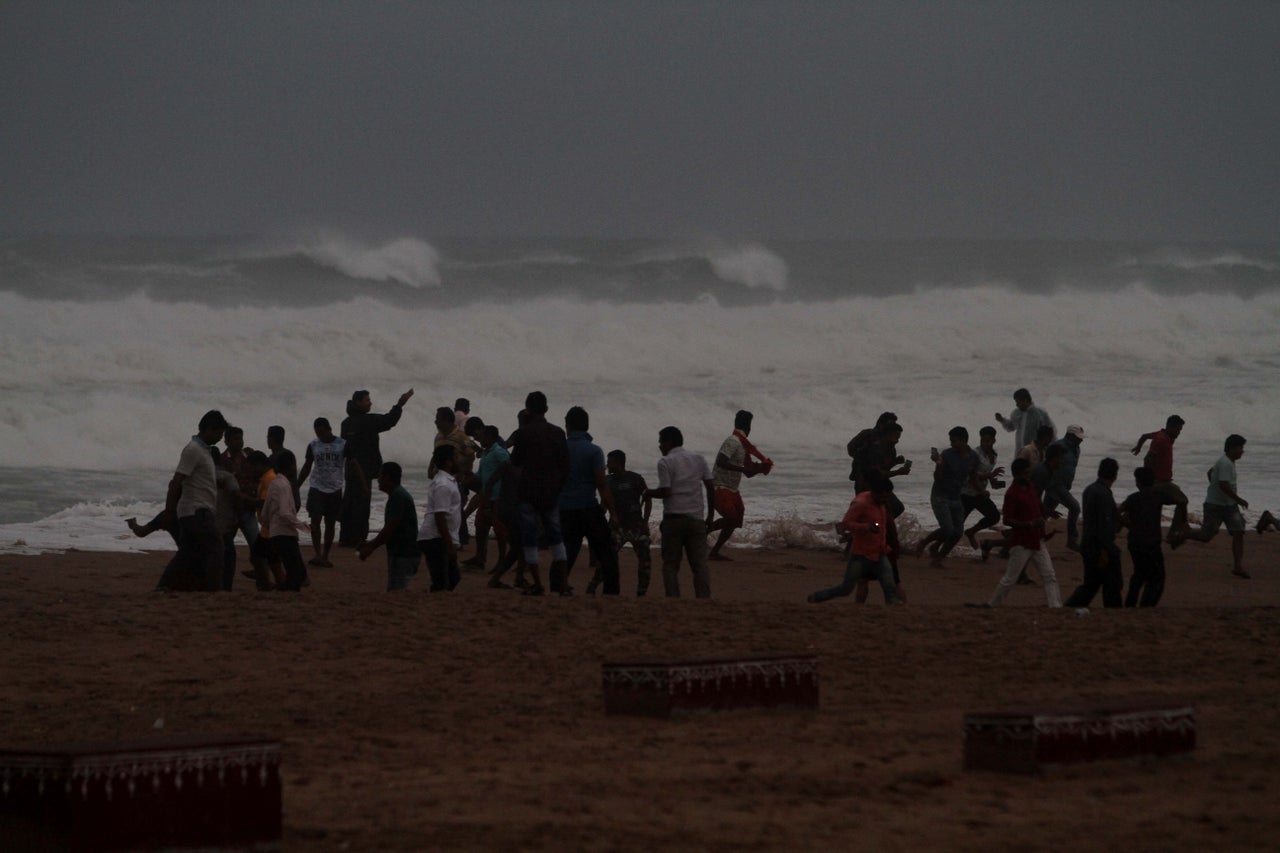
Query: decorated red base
(210,792)
(1027,740)
(668,687)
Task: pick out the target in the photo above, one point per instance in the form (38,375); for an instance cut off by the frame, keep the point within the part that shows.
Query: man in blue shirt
(581,515)
(490,501)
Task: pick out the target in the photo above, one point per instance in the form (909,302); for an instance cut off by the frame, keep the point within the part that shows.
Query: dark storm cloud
(736,119)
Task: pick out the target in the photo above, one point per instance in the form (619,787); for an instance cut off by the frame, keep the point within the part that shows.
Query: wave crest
(406,260)
(752,265)
(1186,261)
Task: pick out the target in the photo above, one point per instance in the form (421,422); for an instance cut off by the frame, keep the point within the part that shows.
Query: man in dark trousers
(581,514)
(1141,512)
(540,451)
(361,430)
(190,507)
(1098,541)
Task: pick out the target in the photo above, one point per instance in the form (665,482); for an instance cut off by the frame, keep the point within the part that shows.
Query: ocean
(113,348)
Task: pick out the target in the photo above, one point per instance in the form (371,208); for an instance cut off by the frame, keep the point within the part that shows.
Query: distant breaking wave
(753,266)
(750,265)
(328,267)
(1180,259)
(407,260)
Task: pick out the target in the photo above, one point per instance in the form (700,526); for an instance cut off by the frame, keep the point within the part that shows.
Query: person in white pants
(1025,520)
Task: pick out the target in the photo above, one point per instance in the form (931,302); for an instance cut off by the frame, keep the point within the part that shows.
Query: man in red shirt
(1159,459)
(1025,520)
(866,522)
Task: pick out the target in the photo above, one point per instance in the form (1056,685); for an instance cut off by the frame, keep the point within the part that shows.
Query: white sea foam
(94,385)
(95,526)
(120,385)
(751,265)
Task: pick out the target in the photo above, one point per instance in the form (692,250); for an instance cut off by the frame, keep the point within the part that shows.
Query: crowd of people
(544,487)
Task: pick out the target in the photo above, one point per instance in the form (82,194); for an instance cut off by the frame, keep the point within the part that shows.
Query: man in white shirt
(1025,420)
(688,503)
(441,520)
(192,499)
(733,461)
(328,465)
(1222,504)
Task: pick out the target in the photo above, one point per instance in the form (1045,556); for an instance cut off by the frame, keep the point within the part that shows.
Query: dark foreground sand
(475,720)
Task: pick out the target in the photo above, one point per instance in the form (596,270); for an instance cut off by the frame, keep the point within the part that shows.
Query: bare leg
(725,532)
(1178,528)
(330,525)
(1237,555)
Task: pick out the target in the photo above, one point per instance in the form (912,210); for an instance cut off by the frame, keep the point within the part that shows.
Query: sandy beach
(475,719)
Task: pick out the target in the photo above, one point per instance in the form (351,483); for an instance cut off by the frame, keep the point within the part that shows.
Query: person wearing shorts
(732,462)
(326,464)
(1222,504)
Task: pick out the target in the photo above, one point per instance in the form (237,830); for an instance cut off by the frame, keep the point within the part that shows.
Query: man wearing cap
(1058,491)
(361,429)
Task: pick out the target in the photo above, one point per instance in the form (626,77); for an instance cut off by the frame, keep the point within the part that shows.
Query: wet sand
(475,719)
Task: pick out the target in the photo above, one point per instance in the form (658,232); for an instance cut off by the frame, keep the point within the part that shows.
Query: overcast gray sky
(734,119)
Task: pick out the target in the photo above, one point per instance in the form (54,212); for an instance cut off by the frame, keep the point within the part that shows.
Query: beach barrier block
(1028,740)
(665,688)
(212,792)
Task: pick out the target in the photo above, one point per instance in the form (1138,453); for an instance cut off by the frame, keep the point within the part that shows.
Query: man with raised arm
(361,430)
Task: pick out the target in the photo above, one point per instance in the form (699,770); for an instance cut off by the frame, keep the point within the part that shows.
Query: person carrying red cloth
(737,456)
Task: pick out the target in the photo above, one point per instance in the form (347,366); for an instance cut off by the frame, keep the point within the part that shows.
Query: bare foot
(973,540)
(139,530)
(719,558)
